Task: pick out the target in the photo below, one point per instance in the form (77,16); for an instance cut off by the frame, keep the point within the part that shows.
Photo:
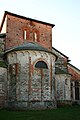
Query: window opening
(77,90)
(35,36)
(25,34)
(41,64)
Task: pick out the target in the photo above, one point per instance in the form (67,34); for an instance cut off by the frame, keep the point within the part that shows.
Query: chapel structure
(33,74)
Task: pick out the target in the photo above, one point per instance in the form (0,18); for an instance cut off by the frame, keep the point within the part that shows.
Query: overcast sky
(65,14)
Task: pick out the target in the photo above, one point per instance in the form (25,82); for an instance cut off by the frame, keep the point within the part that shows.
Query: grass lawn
(67,113)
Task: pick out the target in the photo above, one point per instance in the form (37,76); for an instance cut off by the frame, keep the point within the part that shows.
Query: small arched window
(41,64)
(35,35)
(26,33)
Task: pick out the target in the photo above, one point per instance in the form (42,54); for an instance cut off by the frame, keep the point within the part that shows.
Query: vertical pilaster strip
(29,82)
(17,81)
(51,76)
(41,70)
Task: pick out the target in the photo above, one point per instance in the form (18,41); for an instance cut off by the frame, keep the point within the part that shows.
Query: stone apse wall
(28,85)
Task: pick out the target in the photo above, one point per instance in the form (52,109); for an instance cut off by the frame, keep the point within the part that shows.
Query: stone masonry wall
(3,87)
(61,62)
(63,90)
(2,42)
(31,87)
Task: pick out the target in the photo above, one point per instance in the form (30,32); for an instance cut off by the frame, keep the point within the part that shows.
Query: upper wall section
(20,29)
(2,45)
(61,63)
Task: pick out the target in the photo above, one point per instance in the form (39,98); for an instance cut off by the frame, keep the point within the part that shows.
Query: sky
(65,14)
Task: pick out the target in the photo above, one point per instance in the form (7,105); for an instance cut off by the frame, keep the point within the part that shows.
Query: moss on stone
(2,64)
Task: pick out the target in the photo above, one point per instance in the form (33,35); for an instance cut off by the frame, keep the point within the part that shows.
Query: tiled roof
(2,35)
(59,52)
(74,71)
(30,46)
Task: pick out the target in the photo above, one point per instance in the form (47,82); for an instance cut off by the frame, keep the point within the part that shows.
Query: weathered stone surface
(63,87)
(32,79)
(31,86)
(3,87)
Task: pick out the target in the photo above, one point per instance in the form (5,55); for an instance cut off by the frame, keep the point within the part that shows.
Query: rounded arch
(35,35)
(26,33)
(41,64)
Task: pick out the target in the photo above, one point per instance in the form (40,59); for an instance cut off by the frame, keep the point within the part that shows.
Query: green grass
(67,113)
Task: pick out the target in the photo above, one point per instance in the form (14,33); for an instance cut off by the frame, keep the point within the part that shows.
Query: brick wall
(16,26)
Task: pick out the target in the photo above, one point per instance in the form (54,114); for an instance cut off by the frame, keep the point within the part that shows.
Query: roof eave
(14,49)
(74,67)
(60,53)
(19,16)
(23,17)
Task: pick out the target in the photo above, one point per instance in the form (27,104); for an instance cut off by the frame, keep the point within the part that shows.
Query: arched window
(41,64)
(35,35)
(26,33)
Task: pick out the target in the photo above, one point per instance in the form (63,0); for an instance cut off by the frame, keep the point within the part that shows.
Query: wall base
(25,105)
(62,103)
